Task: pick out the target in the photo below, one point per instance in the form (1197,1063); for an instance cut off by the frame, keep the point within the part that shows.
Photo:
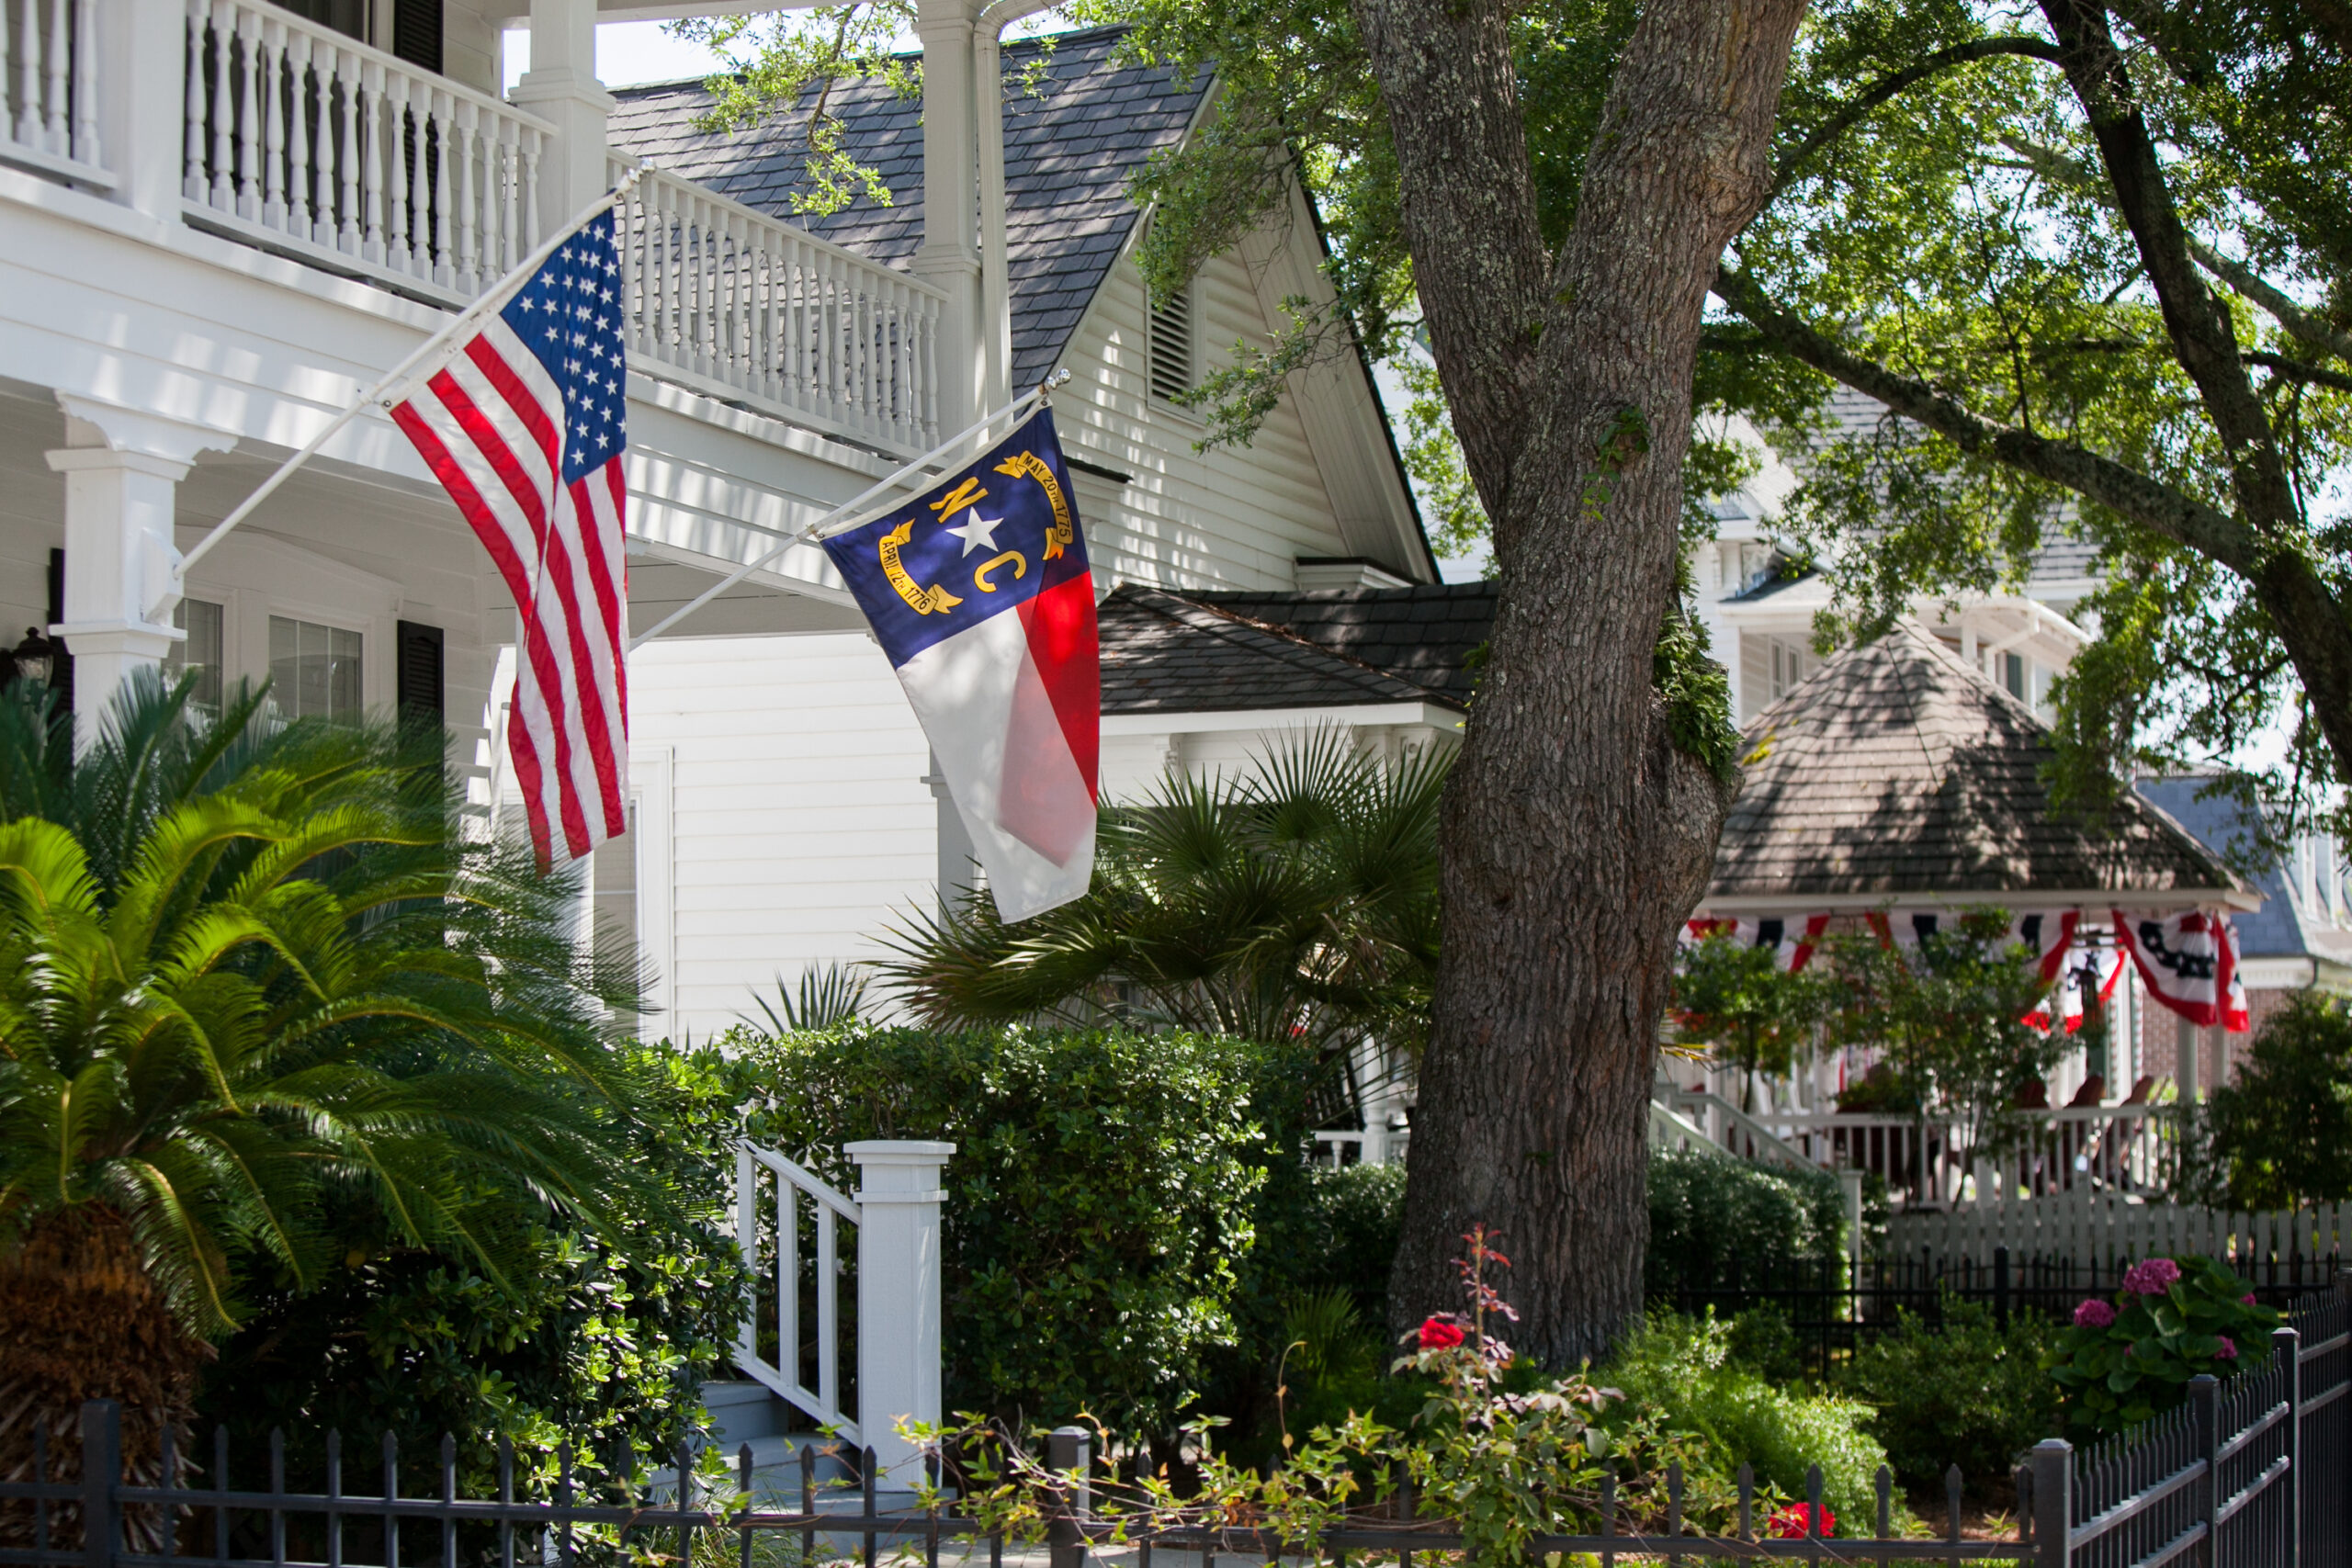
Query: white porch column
(122,469)
(996,293)
(142,91)
(898,1298)
(562,86)
(950,256)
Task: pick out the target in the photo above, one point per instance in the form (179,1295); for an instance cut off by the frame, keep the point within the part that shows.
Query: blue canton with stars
(570,315)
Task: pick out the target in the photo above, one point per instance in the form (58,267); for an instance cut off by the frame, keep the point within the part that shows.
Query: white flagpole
(827,524)
(493,299)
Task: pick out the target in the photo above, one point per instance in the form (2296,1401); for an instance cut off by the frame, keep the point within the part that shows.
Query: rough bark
(80,1318)
(1576,836)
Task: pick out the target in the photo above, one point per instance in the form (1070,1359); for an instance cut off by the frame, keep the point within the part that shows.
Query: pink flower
(2229,1350)
(2247,1300)
(2094,1314)
(2153,1278)
(1795,1522)
(1437,1334)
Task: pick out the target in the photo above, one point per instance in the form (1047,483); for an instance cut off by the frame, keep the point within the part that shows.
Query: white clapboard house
(221,219)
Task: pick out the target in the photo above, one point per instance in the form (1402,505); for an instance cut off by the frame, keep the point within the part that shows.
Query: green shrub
(1100,1201)
(1682,1371)
(1706,1211)
(1969,1393)
(2130,1356)
(601,1337)
(2282,1127)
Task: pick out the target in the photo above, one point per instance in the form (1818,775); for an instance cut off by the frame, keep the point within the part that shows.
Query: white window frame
(253,577)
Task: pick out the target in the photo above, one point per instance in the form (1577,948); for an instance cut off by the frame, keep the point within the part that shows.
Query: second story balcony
(288,135)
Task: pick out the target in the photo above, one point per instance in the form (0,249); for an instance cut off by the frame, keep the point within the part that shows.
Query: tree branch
(2157,507)
(2295,370)
(1894,83)
(2056,166)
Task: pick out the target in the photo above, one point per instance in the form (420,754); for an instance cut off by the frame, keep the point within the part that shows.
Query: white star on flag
(977,532)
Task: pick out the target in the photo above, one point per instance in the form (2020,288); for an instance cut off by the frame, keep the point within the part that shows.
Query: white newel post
(898,1198)
(122,471)
(142,89)
(562,86)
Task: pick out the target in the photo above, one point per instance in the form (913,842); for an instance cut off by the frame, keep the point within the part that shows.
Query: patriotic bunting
(1791,941)
(2189,961)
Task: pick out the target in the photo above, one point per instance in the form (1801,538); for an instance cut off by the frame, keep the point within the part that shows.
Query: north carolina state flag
(981,593)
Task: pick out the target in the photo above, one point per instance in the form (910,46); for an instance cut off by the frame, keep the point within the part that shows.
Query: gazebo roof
(1896,772)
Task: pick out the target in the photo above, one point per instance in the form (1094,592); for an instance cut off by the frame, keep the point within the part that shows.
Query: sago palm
(1297,901)
(254,974)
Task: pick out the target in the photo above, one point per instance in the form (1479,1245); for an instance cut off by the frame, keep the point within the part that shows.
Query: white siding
(800,822)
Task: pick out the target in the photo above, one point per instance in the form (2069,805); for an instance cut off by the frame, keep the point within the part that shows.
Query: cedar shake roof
(1424,634)
(1069,150)
(1167,653)
(1896,769)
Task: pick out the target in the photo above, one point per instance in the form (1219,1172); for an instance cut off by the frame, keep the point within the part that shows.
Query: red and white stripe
(489,426)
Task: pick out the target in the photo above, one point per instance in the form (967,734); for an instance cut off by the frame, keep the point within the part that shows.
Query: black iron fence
(1832,1306)
(2251,1476)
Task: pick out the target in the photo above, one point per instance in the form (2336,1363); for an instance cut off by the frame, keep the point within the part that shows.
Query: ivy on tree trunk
(1576,835)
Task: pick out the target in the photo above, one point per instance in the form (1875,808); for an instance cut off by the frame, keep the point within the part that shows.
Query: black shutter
(416,33)
(417,674)
(60,670)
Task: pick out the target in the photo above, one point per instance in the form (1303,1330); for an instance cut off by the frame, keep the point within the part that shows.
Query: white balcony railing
(300,139)
(724,298)
(49,101)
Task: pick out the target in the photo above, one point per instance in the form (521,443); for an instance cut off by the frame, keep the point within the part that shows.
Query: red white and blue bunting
(2188,960)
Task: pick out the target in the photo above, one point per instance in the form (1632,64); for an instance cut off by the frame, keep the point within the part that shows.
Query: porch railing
(49,100)
(728,300)
(300,138)
(787,1223)
(1939,1160)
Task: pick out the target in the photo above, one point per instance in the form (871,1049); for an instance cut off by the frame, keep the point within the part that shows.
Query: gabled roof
(2282,928)
(1424,634)
(1168,653)
(1069,151)
(1896,769)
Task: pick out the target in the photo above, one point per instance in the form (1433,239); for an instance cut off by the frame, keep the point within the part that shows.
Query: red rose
(1437,1334)
(1795,1522)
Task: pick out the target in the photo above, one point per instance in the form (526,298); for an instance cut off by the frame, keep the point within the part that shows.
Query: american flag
(525,428)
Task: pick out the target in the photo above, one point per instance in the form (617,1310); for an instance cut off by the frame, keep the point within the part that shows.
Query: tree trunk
(1577,838)
(81,1318)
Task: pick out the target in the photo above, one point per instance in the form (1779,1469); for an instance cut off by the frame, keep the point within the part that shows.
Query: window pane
(200,654)
(314,670)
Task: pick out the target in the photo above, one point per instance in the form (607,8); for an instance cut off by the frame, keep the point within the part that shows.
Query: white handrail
(727,299)
(302,138)
(48,112)
(823,1402)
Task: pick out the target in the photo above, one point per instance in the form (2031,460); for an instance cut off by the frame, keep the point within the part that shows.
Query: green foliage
(1296,900)
(1684,1373)
(1099,1202)
(1950,1016)
(1958,225)
(774,62)
(259,995)
(1706,1210)
(826,998)
(600,1336)
(2282,1125)
(1965,1393)
(1737,999)
(2162,1333)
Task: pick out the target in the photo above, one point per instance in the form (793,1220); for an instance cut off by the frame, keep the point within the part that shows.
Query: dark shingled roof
(1423,633)
(1897,770)
(1069,153)
(1165,653)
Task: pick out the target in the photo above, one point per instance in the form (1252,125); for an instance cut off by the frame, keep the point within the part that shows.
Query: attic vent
(1171,345)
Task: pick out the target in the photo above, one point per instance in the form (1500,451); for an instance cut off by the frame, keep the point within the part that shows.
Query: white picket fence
(726,298)
(895,1214)
(2106,1228)
(302,139)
